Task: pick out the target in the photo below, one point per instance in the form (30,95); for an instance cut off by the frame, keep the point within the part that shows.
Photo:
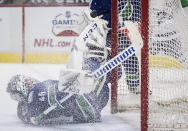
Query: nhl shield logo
(67,14)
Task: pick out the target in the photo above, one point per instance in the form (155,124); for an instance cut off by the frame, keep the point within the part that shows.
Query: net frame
(144,52)
(144,29)
(146,109)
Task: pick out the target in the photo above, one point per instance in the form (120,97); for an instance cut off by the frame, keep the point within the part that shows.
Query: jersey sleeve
(102,7)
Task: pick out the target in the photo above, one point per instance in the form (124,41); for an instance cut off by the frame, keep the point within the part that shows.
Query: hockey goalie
(76,97)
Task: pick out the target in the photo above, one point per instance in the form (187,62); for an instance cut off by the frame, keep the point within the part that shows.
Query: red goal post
(144,71)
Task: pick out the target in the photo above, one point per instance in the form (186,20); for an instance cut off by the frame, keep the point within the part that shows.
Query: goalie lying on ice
(76,97)
(68,106)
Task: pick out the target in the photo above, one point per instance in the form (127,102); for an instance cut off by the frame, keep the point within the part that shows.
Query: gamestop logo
(67,24)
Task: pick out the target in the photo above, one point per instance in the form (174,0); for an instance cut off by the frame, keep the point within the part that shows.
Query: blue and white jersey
(77,108)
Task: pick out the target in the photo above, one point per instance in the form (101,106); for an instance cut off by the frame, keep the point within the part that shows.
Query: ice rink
(10,122)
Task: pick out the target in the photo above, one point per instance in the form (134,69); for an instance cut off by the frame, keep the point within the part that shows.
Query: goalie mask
(19,87)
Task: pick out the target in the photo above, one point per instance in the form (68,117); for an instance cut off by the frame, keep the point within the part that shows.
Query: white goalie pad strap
(75,60)
(96,51)
(75,82)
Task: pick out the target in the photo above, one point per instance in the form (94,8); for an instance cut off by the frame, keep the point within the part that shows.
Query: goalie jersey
(38,97)
(102,7)
(76,108)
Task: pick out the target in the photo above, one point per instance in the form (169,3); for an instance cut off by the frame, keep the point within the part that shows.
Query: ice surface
(10,122)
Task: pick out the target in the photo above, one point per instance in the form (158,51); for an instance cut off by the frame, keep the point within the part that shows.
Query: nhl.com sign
(67,24)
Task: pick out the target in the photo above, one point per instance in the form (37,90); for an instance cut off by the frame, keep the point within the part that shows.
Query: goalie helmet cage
(163,74)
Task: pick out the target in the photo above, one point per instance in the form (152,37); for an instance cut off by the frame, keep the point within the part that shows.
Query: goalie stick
(114,62)
(100,72)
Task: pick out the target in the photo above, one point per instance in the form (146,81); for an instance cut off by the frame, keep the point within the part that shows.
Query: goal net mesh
(168,67)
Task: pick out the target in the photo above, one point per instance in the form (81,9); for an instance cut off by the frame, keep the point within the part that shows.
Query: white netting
(168,55)
(129,70)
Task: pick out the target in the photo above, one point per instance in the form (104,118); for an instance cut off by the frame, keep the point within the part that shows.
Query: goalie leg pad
(91,43)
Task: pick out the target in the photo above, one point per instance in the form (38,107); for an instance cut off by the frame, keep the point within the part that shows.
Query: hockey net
(162,63)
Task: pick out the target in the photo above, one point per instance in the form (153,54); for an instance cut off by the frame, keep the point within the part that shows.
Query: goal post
(114,52)
(144,68)
(144,64)
(155,80)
